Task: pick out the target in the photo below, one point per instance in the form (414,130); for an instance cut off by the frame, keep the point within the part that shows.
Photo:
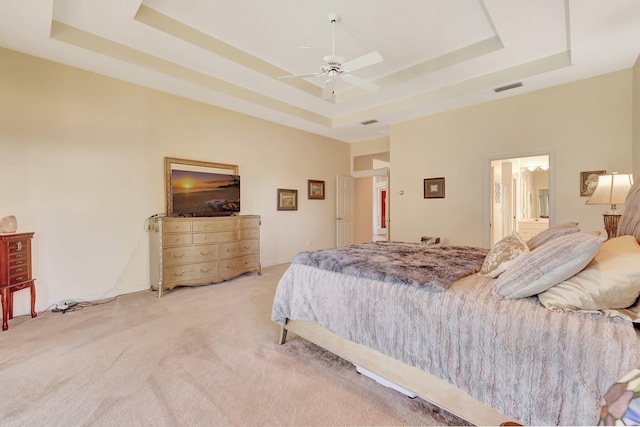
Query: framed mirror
(197,188)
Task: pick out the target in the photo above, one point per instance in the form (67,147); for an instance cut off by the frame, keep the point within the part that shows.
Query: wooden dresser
(15,272)
(201,251)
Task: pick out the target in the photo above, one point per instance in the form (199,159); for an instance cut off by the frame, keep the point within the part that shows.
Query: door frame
(488,184)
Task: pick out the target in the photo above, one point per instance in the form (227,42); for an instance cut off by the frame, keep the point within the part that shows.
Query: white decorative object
(8,224)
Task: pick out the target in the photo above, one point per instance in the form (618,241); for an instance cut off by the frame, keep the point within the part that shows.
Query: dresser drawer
(175,226)
(250,234)
(176,239)
(215,225)
(229,267)
(235,249)
(189,254)
(14,279)
(190,273)
(249,223)
(20,270)
(221,236)
(18,259)
(18,247)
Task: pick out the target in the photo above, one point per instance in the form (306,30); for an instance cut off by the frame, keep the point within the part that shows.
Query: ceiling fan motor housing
(334,61)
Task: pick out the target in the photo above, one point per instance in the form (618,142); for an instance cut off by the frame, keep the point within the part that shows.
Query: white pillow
(554,261)
(610,281)
(503,253)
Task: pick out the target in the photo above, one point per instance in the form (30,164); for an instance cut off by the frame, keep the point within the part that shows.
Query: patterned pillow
(551,233)
(503,253)
(610,281)
(551,263)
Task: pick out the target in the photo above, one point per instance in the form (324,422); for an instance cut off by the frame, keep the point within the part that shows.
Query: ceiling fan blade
(327,92)
(362,83)
(299,76)
(361,62)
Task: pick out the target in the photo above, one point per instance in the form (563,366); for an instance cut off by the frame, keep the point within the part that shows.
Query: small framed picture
(287,200)
(434,188)
(316,189)
(589,182)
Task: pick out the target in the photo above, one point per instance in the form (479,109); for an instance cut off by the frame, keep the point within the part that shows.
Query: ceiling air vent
(507,87)
(369,122)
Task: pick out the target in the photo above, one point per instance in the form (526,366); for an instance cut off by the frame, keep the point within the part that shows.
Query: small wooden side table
(15,272)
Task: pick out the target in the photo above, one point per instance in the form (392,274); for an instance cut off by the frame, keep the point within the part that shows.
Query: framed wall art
(315,189)
(434,188)
(287,200)
(589,182)
(197,188)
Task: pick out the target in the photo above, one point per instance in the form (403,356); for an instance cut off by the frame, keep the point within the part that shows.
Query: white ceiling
(438,54)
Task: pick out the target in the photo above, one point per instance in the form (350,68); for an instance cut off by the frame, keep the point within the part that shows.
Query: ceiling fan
(336,67)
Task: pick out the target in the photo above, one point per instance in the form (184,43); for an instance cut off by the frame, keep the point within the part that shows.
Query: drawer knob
(18,256)
(19,246)
(206,253)
(19,279)
(173,273)
(231,249)
(18,270)
(177,256)
(205,270)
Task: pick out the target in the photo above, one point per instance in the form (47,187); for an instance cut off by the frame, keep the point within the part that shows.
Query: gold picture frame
(175,164)
(287,200)
(315,189)
(589,181)
(434,188)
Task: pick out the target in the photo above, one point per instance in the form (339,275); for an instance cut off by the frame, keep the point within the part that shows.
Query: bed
(487,349)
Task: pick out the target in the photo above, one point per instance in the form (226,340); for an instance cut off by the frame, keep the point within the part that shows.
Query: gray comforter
(538,366)
(433,267)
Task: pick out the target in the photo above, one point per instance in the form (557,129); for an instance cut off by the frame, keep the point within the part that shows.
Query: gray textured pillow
(502,254)
(610,281)
(556,260)
(551,233)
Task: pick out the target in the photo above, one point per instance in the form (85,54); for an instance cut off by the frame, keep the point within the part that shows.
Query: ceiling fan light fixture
(337,67)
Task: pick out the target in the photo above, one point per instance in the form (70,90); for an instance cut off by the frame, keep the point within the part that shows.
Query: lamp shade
(611,189)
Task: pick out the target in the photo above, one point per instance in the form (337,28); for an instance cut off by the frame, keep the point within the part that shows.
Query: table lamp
(611,190)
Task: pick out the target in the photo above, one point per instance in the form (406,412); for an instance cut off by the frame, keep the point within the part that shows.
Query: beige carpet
(198,356)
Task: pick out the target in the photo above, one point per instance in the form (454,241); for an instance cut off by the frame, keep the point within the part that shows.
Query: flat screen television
(204,194)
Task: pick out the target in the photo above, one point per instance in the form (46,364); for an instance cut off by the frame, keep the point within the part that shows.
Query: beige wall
(82,167)
(588,125)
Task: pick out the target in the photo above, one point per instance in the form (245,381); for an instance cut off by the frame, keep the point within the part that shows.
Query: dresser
(15,272)
(201,251)
(527,228)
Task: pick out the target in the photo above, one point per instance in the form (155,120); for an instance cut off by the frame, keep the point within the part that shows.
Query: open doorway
(371,173)
(379,208)
(520,196)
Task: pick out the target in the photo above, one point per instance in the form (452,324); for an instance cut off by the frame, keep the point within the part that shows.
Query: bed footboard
(420,383)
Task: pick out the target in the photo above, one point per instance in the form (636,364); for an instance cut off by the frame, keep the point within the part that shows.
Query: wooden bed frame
(417,381)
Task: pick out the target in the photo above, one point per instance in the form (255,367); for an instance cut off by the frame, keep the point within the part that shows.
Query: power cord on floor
(72,305)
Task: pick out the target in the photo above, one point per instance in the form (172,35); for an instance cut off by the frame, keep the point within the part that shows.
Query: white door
(344,210)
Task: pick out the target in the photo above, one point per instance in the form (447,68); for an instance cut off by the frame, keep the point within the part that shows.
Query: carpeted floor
(198,356)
